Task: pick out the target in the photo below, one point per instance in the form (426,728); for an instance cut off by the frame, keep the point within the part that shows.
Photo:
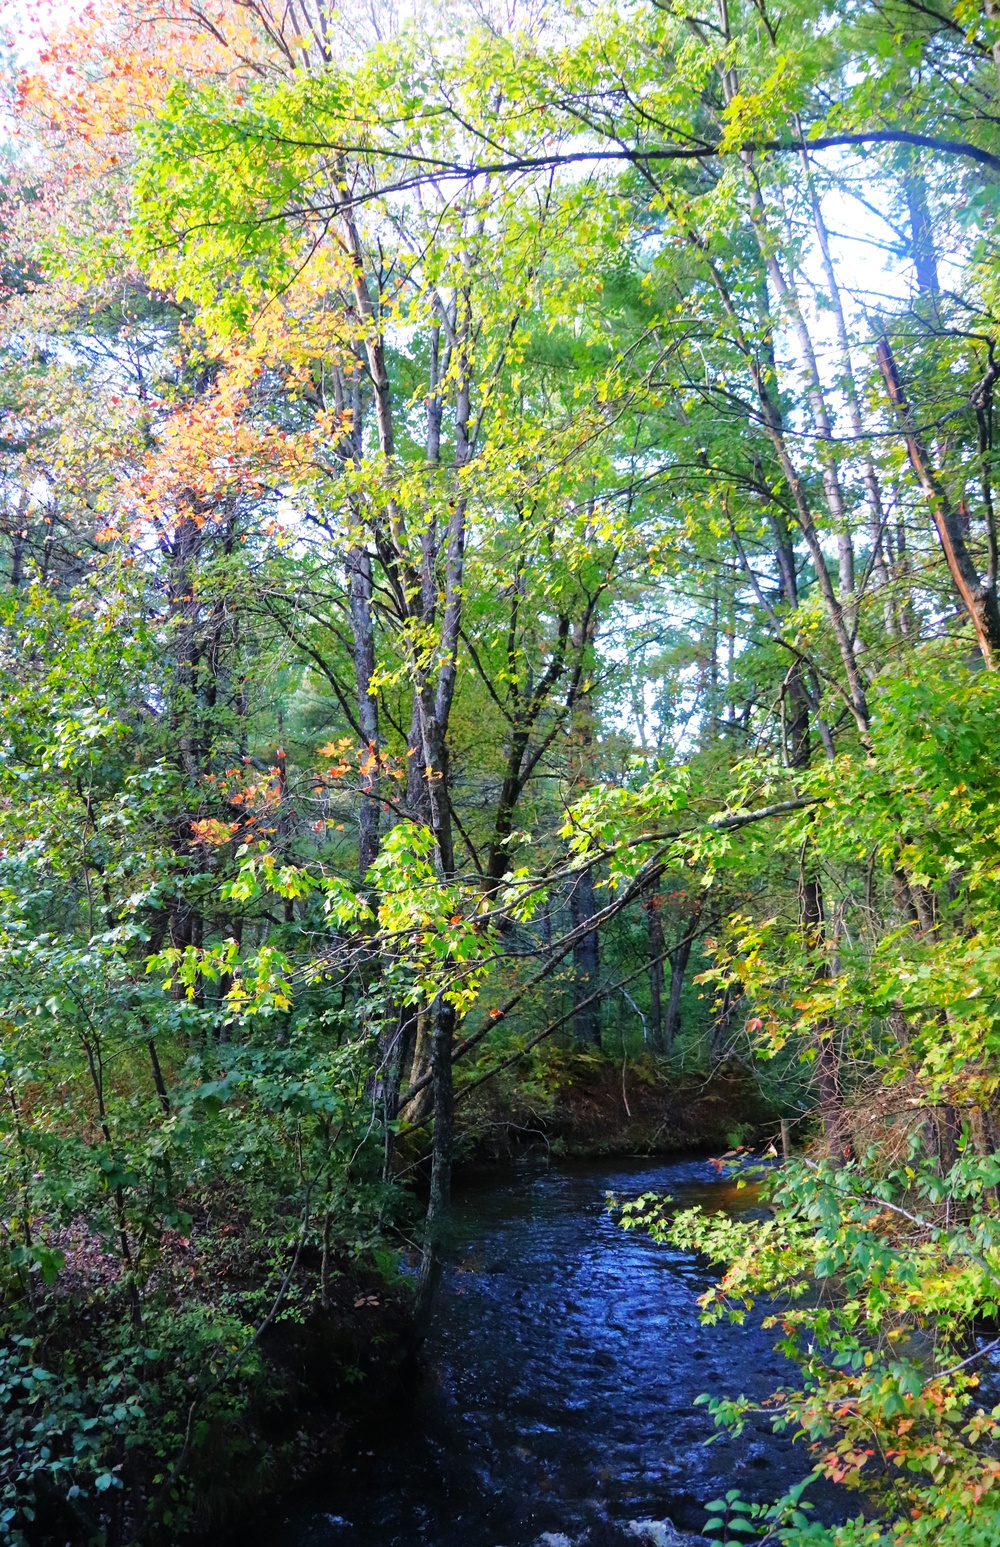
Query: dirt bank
(591,1105)
(323,1374)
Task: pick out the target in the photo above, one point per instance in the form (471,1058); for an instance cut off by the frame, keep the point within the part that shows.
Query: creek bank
(591,1105)
(323,1376)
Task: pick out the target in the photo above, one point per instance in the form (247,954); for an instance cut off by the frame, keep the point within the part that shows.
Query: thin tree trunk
(679,958)
(774,429)
(921,232)
(439,1199)
(842,611)
(657,945)
(363,631)
(586,962)
(394,1052)
(978,597)
(992,9)
(831,1099)
(828,1080)
(787,298)
(418,1107)
(158,1082)
(872,485)
(520,761)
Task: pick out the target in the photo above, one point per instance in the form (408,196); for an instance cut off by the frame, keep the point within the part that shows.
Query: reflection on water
(558,1381)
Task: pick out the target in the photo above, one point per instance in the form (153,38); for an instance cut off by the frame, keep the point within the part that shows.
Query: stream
(558,1383)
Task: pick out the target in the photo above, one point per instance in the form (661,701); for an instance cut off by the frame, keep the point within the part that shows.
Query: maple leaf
(210,830)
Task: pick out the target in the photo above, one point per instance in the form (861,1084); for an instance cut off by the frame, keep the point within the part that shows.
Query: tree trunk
(395,1045)
(679,958)
(872,485)
(362,629)
(773,425)
(978,598)
(788,299)
(417,1109)
(586,963)
(992,9)
(831,1098)
(439,1199)
(921,232)
(657,946)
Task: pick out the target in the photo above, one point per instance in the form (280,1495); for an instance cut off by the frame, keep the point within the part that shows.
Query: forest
(499,650)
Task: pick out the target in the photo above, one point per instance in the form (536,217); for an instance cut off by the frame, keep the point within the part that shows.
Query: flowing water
(559,1379)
